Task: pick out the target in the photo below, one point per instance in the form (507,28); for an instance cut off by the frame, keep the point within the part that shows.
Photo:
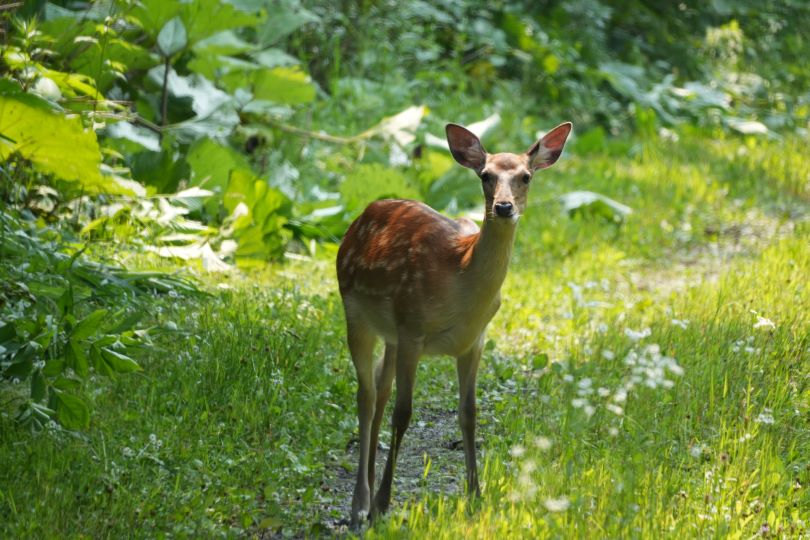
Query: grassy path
(644,380)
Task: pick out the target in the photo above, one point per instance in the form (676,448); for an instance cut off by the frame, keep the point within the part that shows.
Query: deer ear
(545,152)
(466,147)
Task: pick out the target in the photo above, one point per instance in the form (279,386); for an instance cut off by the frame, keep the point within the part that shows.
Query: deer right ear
(466,147)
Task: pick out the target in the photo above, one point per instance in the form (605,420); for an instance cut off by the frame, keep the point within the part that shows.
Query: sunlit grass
(243,422)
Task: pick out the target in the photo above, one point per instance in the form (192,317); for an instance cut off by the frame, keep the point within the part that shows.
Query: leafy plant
(66,319)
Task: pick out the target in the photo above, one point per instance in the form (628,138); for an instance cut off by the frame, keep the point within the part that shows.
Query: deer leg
(361,345)
(408,352)
(383,378)
(467,367)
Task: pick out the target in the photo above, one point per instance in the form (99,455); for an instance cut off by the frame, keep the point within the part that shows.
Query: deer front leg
(408,352)
(361,345)
(467,367)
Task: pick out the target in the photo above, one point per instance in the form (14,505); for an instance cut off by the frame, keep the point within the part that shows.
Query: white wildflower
(608,355)
(557,505)
(603,392)
(578,403)
(542,443)
(128,452)
(589,410)
(680,323)
(568,377)
(585,383)
(764,323)
(517,451)
(615,409)
(637,335)
(765,417)
(696,451)
(613,432)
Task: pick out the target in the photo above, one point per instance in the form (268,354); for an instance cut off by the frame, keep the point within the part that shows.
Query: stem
(314,134)
(165,93)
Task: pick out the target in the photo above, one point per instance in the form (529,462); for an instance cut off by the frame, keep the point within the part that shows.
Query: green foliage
(37,130)
(54,336)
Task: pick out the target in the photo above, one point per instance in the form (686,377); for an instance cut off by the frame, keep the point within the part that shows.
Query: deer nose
(504,209)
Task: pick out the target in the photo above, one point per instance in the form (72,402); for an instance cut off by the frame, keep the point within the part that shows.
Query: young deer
(427,284)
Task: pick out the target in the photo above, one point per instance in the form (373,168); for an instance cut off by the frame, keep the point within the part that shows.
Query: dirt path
(431,461)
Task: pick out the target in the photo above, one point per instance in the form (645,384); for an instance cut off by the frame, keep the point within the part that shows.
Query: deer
(427,284)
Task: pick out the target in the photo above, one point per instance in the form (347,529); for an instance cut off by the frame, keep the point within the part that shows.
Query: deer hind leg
(467,367)
(407,357)
(361,346)
(384,377)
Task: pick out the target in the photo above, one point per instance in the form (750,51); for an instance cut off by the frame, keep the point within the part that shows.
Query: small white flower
(602,328)
(128,452)
(696,451)
(585,383)
(517,451)
(615,409)
(765,417)
(542,443)
(578,403)
(680,323)
(589,410)
(557,505)
(603,392)
(613,431)
(568,377)
(608,355)
(637,335)
(764,323)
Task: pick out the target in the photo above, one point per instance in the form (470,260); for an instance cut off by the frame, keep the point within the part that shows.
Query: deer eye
(526,178)
(487,177)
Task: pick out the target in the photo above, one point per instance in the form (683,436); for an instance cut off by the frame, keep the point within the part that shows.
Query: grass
(244,424)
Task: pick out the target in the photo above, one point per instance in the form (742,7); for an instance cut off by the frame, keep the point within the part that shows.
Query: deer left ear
(546,151)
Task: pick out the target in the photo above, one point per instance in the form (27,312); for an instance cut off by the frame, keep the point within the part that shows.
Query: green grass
(244,423)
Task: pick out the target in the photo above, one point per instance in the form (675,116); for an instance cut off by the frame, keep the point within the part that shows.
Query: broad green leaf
(288,85)
(154,14)
(71,411)
(172,37)
(240,190)
(38,387)
(77,358)
(273,58)
(226,42)
(211,164)
(98,361)
(588,203)
(118,362)
(372,181)
(64,383)
(191,198)
(53,367)
(164,170)
(285,17)
(204,18)
(39,131)
(108,62)
(7,332)
(89,325)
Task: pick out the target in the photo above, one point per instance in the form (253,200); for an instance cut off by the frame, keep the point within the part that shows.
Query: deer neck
(490,256)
